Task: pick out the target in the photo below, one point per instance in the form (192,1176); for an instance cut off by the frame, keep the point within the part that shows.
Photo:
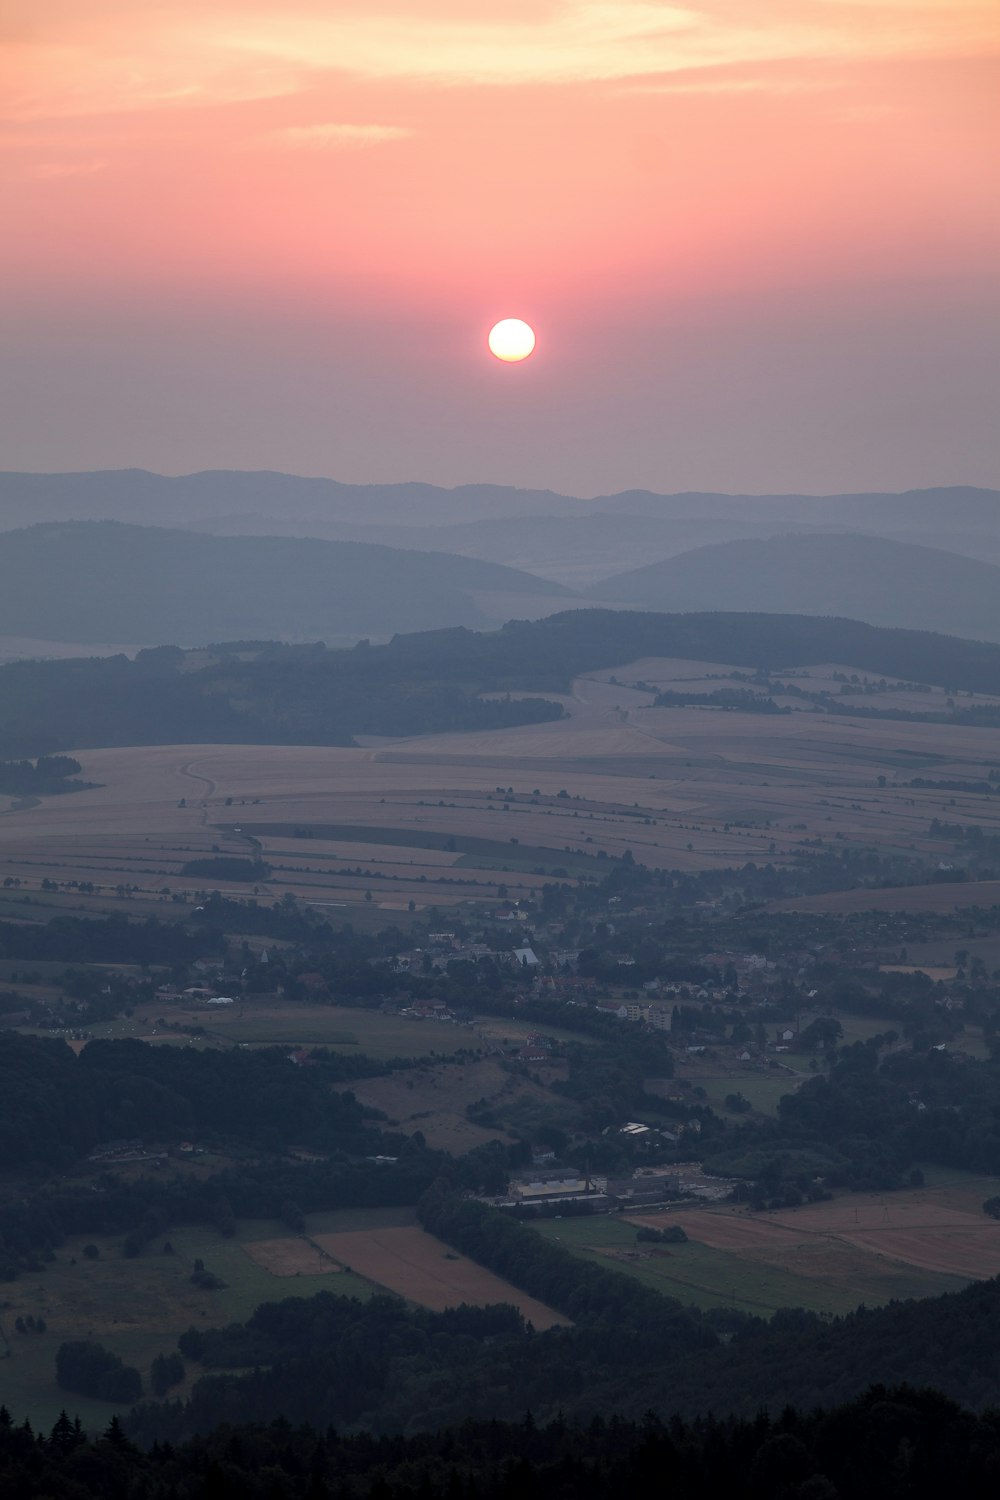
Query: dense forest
(890,1443)
(428,682)
(55,1106)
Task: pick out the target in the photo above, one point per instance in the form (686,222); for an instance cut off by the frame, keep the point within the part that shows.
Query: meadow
(826,1257)
(138,1307)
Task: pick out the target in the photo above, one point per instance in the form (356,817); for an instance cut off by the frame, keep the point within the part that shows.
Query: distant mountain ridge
(919,558)
(139,495)
(96,581)
(866,578)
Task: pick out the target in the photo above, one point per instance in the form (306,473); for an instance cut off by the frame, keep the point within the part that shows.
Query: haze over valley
(499,750)
(94,569)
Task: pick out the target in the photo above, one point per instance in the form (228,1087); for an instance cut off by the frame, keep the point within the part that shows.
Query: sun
(511,340)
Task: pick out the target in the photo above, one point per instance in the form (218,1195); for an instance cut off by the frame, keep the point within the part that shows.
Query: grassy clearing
(694,1274)
(276,1024)
(763,1090)
(137,1308)
(700,1275)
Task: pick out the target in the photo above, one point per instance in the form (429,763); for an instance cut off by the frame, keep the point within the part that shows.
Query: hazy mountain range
(277,555)
(859,577)
(104,581)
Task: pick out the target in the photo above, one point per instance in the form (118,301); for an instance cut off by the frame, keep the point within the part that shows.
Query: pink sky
(759,242)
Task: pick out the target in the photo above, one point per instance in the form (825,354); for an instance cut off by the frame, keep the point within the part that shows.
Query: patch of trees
(89,1369)
(609,1082)
(109,940)
(866,1124)
(47,775)
(56,1107)
(674,1235)
(734,700)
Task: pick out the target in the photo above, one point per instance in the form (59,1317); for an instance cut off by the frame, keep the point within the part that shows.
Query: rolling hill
(436,681)
(866,578)
(108,581)
(643,524)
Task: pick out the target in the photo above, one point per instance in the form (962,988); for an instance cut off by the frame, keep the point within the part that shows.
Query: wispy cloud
(338,137)
(64,59)
(585,40)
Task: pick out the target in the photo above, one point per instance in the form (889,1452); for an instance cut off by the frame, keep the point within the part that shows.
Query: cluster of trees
(866,1124)
(55,1106)
(890,1443)
(48,774)
(735,700)
(88,1369)
(108,940)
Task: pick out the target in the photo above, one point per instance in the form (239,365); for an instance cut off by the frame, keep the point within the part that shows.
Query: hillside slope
(108,581)
(863,577)
(433,681)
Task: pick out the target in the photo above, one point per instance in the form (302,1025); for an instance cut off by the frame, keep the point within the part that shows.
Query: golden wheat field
(398,825)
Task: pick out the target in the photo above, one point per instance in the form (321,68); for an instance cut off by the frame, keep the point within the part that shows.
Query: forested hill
(428,682)
(92,582)
(547,654)
(867,577)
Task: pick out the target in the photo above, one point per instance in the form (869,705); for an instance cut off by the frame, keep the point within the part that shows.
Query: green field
(137,1308)
(340,1028)
(701,1276)
(763,1090)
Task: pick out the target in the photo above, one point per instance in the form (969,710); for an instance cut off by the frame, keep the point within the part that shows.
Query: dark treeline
(50,773)
(891,1443)
(621,1320)
(55,1106)
(108,940)
(286,695)
(431,681)
(736,700)
(144,1210)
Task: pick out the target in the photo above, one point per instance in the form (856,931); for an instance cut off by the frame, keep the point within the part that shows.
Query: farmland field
(826,1257)
(397,826)
(423,1269)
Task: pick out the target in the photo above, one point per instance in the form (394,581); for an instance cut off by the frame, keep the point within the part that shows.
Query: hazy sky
(759,240)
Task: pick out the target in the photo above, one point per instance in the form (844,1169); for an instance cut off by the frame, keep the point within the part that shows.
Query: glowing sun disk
(511,340)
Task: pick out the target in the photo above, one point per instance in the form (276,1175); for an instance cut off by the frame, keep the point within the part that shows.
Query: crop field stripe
(423,1269)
